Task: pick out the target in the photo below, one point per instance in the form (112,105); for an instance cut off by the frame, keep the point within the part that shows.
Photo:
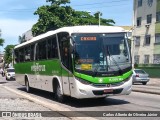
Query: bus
(77,61)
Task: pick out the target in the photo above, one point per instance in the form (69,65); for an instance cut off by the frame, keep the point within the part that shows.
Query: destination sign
(88,38)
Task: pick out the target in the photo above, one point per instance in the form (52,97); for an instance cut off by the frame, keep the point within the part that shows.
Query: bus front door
(66,66)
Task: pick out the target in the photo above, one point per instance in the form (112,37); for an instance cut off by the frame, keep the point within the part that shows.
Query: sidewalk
(152,87)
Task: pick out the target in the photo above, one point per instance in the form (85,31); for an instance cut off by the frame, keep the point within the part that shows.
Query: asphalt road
(12,104)
(136,101)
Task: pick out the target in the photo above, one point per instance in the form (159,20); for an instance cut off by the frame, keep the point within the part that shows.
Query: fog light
(83,91)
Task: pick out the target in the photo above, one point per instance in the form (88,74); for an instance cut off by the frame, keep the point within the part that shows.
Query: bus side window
(64,45)
(42,50)
(27,53)
(32,52)
(16,53)
(37,52)
(21,55)
(52,50)
(54,47)
(49,48)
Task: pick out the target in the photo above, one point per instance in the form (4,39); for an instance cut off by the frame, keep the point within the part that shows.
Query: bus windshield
(101,52)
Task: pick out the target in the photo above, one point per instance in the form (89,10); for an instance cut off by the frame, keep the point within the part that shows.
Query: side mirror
(72,44)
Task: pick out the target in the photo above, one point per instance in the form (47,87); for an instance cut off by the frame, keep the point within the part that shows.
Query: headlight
(127,79)
(9,75)
(83,81)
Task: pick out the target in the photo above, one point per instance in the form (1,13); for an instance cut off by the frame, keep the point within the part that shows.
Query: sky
(17,16)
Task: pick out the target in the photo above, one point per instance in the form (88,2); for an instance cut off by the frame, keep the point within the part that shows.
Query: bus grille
(108,85)
(101,92)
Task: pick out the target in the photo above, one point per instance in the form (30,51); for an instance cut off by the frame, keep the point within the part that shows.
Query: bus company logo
(100,80)
(38,68)
(115,79)
(6,114)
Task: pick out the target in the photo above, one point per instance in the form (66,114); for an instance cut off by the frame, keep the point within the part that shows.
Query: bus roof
(76,29)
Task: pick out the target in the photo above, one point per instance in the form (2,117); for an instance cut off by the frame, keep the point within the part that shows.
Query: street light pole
(99,18)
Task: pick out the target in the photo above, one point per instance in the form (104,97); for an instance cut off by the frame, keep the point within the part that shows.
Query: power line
(106,6)
(101,3)
(29,10)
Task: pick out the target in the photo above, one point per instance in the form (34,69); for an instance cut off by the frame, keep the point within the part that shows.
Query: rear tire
(58,96)
(144,83)
(28,88)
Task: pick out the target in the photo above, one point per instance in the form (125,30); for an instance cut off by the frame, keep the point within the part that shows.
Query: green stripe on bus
(114,79)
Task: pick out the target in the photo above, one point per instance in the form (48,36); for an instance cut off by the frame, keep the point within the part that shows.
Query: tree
(58,14)
(8,54)
(58,2)
(21,39)
(1,40)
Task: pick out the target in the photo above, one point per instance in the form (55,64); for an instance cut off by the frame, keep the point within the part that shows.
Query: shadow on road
(79,103)
(3,82)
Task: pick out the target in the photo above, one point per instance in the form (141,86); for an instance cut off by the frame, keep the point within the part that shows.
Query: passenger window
(21,55)
(27,53)
(16,56)
(32,52)
(64,44)
(42,50)
(52,50)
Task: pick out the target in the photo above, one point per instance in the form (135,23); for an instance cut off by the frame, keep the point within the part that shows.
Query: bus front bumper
(89,91)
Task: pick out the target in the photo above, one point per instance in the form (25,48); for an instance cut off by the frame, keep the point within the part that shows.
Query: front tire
(58,96)
(144,83)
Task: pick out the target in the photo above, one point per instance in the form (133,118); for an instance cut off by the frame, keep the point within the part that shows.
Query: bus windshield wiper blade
(95,70)
(120,70)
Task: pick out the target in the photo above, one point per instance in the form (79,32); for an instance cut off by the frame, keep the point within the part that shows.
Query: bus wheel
(59,97)
(28,88)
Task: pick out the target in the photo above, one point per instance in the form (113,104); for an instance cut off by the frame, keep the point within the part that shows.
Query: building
(146,32)
(27,35)
(128,29)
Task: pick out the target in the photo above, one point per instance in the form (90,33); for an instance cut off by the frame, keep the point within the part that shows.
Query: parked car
(10,73)
(140,76)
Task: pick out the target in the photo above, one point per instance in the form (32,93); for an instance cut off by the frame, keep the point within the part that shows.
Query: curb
(145,91)
(54,107)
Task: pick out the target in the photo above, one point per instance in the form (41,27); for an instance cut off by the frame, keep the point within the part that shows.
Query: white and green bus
(78,61)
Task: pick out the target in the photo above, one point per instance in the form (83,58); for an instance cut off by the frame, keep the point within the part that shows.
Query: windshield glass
(139,71)
(101,52)
(10,70)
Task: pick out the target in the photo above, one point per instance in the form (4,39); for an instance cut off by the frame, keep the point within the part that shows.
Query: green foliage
(8,53)
(58,2)
(1,41)
(21,39)
(55,16)
(152,71)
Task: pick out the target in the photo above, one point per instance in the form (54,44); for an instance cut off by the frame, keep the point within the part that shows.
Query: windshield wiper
(96,69)
(108,53)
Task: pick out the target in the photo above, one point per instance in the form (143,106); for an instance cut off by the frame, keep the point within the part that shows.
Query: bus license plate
(108,90)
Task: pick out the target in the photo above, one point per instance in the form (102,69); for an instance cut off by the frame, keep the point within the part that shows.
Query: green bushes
(152,69)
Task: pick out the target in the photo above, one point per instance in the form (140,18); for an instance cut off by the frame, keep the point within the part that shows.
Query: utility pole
(133,50)
(99,18)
